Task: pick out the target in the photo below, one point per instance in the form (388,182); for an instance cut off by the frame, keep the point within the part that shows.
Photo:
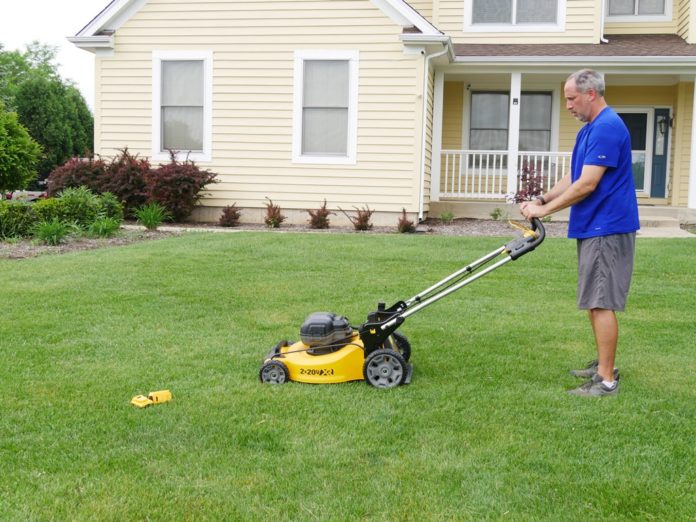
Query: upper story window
(638,10)
(181,105)
(325,107)
(514,15)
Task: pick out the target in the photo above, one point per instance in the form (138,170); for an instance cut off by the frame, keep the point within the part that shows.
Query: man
(603,220)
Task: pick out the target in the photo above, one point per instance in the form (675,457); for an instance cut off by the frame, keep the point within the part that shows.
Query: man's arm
(564,193)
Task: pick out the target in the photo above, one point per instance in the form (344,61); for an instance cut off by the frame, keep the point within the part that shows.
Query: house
(427,106)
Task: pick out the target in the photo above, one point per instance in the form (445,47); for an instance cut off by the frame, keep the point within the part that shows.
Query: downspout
(603,18)
(426,77)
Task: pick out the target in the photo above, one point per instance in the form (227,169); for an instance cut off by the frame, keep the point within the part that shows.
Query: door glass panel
(637,124)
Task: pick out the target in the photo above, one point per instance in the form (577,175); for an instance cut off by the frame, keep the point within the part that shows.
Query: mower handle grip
(528,242)
(538,227)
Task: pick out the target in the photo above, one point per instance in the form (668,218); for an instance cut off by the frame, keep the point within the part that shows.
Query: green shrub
(16,219)
(47,209)
(447,217)
(110,206)
(230,216)
(177,186)
(77,172)
(79,205)
(53,232)
(151,215)
(104,227)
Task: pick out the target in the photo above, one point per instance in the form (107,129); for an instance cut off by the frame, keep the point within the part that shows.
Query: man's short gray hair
(587,79)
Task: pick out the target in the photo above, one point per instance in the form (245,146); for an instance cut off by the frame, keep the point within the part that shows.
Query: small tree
(19,153)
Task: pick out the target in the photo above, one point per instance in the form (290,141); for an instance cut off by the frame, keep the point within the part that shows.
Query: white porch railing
(483,174)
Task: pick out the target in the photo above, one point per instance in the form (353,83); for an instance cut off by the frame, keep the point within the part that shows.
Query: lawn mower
(330,350)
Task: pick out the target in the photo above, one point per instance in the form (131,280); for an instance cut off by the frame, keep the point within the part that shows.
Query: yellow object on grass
(157,397)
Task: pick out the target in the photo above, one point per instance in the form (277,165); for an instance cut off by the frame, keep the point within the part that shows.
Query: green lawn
(484,432)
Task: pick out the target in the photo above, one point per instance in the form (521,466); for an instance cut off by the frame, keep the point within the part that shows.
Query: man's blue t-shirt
(612,208)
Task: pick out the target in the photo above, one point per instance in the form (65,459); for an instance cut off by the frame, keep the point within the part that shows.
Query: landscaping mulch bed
(132,234)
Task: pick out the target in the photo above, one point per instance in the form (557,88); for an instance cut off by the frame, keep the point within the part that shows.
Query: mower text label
(316,371)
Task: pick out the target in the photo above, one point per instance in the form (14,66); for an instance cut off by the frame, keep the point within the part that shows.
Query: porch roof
(619,46)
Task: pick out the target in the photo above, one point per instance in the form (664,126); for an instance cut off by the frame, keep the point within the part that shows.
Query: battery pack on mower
(325,329)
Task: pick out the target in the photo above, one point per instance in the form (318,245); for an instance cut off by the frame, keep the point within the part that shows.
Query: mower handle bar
(516,248)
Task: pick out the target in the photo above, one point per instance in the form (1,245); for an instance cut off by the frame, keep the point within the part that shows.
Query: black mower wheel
(400,344)
(273,372)
(384,368)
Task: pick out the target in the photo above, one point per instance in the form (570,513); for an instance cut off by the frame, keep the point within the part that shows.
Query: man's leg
(606,331)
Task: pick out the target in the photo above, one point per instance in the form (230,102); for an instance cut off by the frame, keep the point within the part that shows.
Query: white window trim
(157,58)
(353,67)
(667,17)
(471,27)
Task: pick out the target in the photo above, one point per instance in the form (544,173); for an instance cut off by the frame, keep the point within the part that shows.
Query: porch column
(436,150)
(514,131)
(691,202)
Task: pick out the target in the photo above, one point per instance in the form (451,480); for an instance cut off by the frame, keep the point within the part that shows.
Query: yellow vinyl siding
(682,129)
(452,124)
(253,46)
(424,7)
(682,15)
(581,26)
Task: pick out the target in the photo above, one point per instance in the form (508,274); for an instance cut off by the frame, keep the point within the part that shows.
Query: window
(181,105)
(489,121)
(325,107)
(515,15)
(638,10)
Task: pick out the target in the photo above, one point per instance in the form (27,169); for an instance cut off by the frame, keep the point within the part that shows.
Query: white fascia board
(111,17)
(93,44)
(406,16)
(429,44)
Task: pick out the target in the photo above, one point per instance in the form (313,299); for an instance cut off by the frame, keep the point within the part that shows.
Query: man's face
(579,104)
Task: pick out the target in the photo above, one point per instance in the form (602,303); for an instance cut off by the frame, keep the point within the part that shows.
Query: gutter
(426,77)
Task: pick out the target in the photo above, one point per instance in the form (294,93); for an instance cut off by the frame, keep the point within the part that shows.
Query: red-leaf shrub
(77,172)
(177,186)
(126,179)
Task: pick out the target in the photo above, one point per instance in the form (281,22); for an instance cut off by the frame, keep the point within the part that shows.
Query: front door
(649,130)
(662,126)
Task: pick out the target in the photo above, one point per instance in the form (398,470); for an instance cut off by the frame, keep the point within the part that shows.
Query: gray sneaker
(595,388)
(590,371)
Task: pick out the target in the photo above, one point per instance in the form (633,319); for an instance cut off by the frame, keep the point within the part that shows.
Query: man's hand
(532,209)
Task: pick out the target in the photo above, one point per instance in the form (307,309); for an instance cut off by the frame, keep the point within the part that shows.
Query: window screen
(514,11)
(325,107)
(182,105)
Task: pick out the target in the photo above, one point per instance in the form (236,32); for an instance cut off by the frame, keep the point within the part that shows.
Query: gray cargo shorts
(605,266)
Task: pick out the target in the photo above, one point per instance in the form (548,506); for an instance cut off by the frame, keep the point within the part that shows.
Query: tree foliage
(52,110)
(19,153)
